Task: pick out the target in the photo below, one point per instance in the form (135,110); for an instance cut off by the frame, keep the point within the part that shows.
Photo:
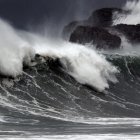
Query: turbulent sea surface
(71,92)
(47,102)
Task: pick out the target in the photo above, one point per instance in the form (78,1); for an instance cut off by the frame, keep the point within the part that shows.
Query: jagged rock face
(103,17)
(98,36)
(132,32)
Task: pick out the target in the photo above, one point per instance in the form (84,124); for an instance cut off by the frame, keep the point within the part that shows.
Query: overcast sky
(25,13)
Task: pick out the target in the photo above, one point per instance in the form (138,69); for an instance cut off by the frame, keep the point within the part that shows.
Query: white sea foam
(82,63)
(126,49)
(81,137)
(131,18)
(13,51)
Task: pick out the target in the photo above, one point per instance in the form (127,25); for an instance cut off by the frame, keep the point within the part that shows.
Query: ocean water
(69,91)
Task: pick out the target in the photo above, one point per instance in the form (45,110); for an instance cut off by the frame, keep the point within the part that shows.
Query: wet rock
(95,35)
(101,18)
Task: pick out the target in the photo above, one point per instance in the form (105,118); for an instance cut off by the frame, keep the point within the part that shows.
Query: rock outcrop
(94,30)
(98,30)
(95,35)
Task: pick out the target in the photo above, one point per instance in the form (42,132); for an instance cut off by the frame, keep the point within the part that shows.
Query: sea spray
(13,51)
(133,18)
(81,62)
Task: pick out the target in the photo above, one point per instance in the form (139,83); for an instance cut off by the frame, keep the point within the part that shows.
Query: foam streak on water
(83,137)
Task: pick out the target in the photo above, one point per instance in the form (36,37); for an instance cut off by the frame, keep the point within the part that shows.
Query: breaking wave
(51,98)
(82,63)
(13,51)
(47,98)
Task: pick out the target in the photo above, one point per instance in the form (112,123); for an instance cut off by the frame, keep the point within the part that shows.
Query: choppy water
(60,98)
(46,103)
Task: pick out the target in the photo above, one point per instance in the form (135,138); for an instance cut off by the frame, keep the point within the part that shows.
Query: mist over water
(82,63)
(133,18)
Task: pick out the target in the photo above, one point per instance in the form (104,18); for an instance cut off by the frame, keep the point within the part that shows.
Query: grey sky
(25,13)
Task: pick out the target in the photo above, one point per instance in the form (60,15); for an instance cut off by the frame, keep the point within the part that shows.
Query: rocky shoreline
(99,30)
